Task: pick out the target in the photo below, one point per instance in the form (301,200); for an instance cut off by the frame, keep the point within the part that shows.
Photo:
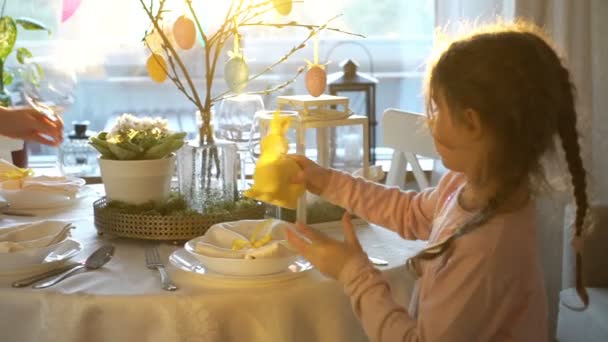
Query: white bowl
(241,267)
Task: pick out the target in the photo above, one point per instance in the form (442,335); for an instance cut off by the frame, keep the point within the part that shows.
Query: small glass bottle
(76,156)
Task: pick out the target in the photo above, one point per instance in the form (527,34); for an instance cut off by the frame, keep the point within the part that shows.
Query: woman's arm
(29,124)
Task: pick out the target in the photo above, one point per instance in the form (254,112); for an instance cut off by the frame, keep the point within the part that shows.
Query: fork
(153,262)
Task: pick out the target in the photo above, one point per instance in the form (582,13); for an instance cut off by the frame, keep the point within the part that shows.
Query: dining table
(123,300)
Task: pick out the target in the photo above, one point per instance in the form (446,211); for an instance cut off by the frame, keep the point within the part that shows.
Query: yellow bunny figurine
(274,170)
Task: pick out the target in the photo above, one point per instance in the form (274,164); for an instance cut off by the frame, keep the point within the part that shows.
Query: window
(103,42)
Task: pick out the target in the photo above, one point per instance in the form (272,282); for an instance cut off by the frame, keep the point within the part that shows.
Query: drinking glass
(261,128)
(48,86)
(233,122)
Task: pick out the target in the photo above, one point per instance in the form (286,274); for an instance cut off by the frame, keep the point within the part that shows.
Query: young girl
(497,99)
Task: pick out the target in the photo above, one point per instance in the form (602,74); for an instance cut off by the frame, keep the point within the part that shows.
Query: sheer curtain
(569,23)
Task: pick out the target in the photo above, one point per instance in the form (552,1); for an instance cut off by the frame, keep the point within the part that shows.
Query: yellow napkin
(274,170)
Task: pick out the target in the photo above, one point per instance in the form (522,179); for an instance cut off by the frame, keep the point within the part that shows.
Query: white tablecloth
(123,300)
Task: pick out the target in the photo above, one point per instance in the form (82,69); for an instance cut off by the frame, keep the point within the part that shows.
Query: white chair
(589,325)
(410,139)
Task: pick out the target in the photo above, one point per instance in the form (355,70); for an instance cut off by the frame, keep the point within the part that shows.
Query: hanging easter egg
(236,73)
(184,32)
(69,7)
(282,6)
(316,80)
(154,42)
(157,68)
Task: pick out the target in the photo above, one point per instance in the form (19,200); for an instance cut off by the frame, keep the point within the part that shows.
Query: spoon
(99,258)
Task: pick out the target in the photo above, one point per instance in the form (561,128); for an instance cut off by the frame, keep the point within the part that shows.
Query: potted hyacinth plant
(137,159)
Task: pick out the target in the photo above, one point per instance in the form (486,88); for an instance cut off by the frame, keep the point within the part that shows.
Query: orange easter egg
(283,6)
(184,32)
(316,80)
(157,68)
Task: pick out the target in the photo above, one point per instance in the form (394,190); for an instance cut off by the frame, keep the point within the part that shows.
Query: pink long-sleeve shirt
(488,286)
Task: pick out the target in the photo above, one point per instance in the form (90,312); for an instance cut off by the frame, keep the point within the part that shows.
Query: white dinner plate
(241,266)
(64,251)
(36,199)
(189,263)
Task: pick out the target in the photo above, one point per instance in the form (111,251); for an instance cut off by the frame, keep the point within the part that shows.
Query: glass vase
(207,174)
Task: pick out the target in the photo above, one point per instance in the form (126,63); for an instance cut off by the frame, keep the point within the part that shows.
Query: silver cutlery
(61,234)
(153,262)
(38,277)
(99,258)
(378,261)
(5,209)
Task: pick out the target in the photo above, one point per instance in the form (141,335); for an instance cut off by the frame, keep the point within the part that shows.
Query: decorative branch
(238,15)
(266,91)
(295,24)
(166,42)
(285,57)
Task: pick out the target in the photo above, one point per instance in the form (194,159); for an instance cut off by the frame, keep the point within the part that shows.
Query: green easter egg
(236,73)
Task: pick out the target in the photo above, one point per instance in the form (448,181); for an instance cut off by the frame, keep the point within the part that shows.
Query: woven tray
(156,227)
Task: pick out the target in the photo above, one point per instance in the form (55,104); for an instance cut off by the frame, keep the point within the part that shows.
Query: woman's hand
(29,124)
(328,255)
(315,177)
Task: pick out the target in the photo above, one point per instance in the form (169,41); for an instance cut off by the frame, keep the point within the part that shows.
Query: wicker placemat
(158,227)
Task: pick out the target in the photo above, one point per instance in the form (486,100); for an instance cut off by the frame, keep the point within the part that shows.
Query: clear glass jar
(207,174)
(76,157)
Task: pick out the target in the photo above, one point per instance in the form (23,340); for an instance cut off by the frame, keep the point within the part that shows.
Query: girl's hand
(328,255)
(312,175)
(29,124)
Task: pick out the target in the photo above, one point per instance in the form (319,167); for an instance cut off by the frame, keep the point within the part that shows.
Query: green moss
(177,206)
(317,212)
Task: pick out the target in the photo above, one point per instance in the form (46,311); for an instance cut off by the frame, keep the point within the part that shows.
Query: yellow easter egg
(154,42)
(316,80)
(184,32)
(157,68)
(283,6)
(236,73)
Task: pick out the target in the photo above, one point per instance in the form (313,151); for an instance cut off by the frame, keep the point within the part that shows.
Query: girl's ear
(472,123)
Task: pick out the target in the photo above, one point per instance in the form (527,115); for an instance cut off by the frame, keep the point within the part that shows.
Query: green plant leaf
(7,77)
(102,147)
(163,149)
(22,54)
(127,145)
(121,153)
(32,25)
(8,36)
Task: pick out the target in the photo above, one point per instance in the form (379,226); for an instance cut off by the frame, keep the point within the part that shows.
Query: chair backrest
(409,138)
(595,253)
(8,145)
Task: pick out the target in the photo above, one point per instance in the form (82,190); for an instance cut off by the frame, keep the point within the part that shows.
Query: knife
(378,261)
(17,213)
(35,278)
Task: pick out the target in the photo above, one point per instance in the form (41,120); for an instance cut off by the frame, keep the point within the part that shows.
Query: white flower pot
(137,181)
